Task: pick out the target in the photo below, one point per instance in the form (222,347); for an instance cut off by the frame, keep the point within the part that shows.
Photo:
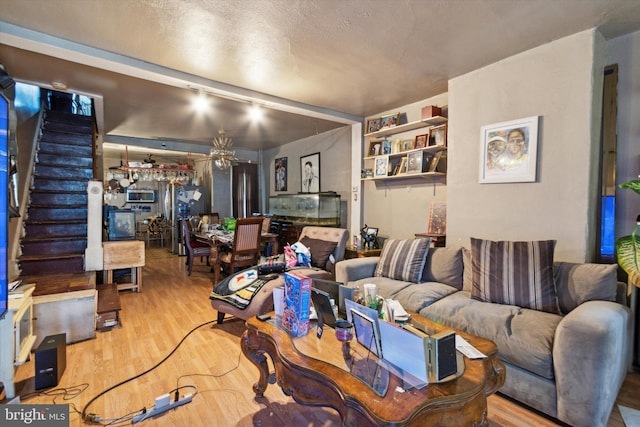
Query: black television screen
(122,224)
(4,199)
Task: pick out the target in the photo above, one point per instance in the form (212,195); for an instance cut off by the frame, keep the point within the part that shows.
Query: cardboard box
(297,299)
(431,111)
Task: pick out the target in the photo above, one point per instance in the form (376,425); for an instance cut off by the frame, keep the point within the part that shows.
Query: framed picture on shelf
(401,167)
(281,174)
(386,147)
(390,121)
(414,162)
(422,140)
(375,148)
(373,125)
(407,144)
(380,168)
(396,146)
(434,161)
(438,135)
(310,173)
(508,151)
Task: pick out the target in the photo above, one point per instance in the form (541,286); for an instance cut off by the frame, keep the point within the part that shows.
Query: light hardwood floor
(156,320)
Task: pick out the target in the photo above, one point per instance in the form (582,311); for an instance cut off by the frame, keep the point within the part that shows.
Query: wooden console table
(314,372)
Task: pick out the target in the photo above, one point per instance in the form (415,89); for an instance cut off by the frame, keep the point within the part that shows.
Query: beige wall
(400,207)
(562,83)
(335,165)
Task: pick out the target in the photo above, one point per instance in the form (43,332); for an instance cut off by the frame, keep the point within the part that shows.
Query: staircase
(56,221)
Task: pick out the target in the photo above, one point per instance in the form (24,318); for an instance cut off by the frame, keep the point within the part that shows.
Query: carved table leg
(257,358)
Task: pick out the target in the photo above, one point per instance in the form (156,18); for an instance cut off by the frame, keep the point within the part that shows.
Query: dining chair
(193,247)
(266,228)
(245,250)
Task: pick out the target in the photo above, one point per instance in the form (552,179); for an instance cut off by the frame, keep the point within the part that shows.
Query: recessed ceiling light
(201,102)
(255,113)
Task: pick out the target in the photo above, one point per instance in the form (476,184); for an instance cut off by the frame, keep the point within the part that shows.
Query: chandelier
(222,152)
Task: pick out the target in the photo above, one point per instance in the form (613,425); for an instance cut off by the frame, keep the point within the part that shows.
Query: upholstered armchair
(319,240)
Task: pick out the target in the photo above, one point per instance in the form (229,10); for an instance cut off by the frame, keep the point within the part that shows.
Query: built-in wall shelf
(429,121)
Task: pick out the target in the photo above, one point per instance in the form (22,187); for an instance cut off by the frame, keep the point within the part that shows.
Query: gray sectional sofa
(569,365)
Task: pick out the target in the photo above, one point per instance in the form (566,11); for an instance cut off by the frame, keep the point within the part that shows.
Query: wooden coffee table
(324,379)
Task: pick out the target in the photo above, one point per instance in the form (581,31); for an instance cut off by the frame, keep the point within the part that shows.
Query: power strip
(159,410)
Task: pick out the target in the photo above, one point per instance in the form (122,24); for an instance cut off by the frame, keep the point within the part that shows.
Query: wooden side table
(351,252)
(438,240)
(121,255)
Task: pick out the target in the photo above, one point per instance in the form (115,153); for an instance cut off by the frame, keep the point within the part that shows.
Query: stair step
(53,238)
(57,126)
(47,159)
(60,283)
(62,247)
(52,184)
(64,149)
(59,199)
(67,138)
(57,229)
(37,266)
(41,213)
(66,117)
(62,172)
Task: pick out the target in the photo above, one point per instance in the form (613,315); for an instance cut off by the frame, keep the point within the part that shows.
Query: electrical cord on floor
(196,374)
(94,418)
(67,393)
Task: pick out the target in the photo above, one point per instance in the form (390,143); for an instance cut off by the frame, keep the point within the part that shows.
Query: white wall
(562,83)
(625,51)
(400,208)
(335,165)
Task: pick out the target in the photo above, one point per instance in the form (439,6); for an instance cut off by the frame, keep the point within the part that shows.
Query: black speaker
(443,363)
(51,360)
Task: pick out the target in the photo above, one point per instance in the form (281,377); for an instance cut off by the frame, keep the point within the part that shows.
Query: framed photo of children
(373,125)
(390,121)
(414,162)
(381,166)
(508,151)
(281,174)
(438,135)
(310,173)
(375,148)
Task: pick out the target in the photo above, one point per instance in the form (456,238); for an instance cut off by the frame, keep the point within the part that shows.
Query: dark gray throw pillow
(514,273)
(403,259)
(320,250)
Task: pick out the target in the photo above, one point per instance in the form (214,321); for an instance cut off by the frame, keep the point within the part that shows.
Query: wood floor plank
(153,323)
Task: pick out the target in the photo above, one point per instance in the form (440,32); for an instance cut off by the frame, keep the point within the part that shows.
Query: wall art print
(508,151)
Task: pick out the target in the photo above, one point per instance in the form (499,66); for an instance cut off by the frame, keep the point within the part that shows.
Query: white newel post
(93,254)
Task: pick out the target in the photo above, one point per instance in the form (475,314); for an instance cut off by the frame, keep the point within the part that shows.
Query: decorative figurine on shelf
(369,237)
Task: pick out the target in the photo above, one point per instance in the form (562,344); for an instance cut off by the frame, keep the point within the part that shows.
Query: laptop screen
(322,304)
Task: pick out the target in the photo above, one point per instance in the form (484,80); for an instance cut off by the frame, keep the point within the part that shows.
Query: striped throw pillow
(403,259)
(514,273)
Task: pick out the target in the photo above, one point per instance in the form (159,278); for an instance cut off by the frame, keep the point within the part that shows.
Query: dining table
(219,238)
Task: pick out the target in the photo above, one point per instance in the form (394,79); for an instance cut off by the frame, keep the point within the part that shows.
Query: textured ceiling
(354,58)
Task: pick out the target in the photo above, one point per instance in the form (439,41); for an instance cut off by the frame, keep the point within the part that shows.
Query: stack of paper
(396,312)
